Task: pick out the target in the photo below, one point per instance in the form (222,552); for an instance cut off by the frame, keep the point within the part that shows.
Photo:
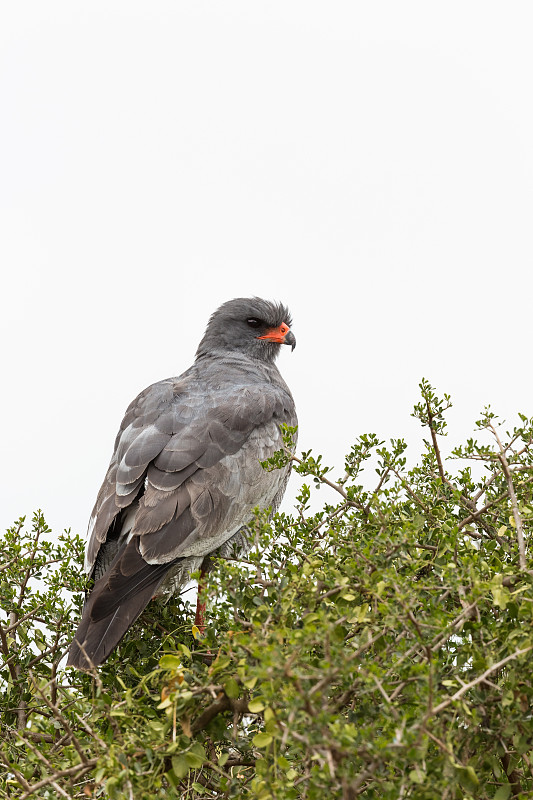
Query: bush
(375,649)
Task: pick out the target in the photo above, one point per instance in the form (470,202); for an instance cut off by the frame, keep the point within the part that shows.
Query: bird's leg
(199,619)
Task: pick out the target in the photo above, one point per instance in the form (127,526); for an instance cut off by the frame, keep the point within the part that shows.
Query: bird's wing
(195,458)
(199,461)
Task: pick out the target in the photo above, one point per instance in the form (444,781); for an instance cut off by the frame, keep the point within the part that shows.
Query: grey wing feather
(198,460)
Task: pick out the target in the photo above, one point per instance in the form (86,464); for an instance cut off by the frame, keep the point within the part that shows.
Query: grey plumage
(185,474)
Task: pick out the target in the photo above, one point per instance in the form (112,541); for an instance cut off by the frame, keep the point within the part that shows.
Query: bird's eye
(253,322)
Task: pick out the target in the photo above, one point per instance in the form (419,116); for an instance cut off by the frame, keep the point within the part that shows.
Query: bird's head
(249,325)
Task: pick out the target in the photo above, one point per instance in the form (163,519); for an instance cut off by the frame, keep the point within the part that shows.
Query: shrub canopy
(377,648)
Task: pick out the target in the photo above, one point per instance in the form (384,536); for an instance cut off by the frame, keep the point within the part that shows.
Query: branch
(382,480)
(327,482)
(514,502)
(77,771)
(60,718)
(460,692)
(29,568)
(435,442)
(512,774)
(48,766)
(5,650)
(322,478)
(22,716)
(384,694)
(437,641)
(20,778)
(18,620)
(486,507)
(223,703)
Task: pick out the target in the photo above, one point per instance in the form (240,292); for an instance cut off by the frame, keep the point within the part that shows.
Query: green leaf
(185,650)
(196,756)
(172,778)
(170,662)
(417,775)
(180,766)
(468,778)
(503,793)
(99,774)
(262,739)
(501,596)
(256,705)
(232,689)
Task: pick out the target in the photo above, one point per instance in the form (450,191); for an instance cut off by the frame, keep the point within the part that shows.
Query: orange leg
(199,619)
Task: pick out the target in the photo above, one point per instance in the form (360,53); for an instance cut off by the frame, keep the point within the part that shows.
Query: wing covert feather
(176,432)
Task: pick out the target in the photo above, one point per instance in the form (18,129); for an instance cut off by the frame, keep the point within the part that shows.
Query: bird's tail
(115,602)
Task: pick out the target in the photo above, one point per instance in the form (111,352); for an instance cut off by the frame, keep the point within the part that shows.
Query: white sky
(370,164)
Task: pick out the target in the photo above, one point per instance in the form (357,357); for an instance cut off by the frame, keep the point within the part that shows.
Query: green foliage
(377,648)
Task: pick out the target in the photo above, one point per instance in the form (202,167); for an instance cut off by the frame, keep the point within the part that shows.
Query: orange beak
(281,335)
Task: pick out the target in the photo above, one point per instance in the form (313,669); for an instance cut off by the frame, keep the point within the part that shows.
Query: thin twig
(514,503)
(460,692)
(60,718)
(20,778)
(486,507)
(384,695)
(435,442)
(17,622)
(77,771)
(382,480)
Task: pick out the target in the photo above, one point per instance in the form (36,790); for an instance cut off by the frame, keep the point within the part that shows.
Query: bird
(185,476)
